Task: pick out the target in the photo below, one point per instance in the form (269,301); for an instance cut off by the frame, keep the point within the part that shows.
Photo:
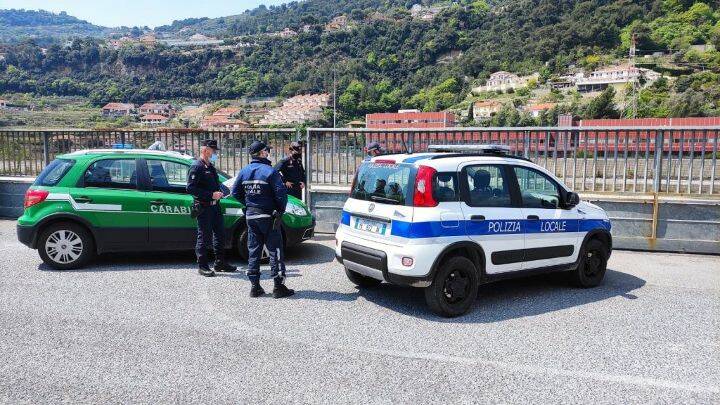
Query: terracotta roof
(155,106)
(487,103)
(118,106)
(153,117)
(541,106)
(227,111)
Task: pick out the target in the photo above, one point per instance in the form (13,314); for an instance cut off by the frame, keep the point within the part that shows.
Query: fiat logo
(371,207)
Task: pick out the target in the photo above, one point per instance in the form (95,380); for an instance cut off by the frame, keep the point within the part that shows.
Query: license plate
(368,225)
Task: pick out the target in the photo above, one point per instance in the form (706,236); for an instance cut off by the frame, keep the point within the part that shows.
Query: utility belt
(275,216)
(199,206)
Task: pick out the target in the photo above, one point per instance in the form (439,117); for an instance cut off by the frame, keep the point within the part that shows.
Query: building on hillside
(3,104)
(166,110)
(536,109)
(410,119)
(119,43)
(338,23)
(502,81)
(615,76)
(356,124)
(148,39)
(224,118)
(297,110)
(118,109)
(419,12)
(286,33)
(153,119)
(485,109)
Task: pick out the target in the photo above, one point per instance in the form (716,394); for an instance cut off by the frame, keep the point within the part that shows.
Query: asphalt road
(148,329)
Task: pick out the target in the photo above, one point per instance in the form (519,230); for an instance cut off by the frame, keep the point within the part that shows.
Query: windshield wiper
(384,199)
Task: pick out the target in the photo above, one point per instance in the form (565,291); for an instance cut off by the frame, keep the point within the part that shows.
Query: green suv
(98,201)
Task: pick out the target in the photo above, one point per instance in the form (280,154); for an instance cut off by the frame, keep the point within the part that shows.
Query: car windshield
(54,172)
(387,183)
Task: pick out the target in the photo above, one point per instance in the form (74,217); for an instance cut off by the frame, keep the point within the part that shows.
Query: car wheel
(593,264)
(66,246)
(454,287)
(241,248)
(360,280)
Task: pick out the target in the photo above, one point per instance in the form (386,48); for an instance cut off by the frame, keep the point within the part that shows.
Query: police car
(97,201)
(459,216)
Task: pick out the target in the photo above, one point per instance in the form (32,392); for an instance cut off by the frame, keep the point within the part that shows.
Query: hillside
(385,57)
(43,25)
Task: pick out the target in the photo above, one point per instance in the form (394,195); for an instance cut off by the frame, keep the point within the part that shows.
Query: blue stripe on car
(414,159)
(434,229)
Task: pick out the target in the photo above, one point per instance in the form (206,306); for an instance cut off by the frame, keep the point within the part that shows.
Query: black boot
(204,270)
(224,267)
(281,291)
(256,290)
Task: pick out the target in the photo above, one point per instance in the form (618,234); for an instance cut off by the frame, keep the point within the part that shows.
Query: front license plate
(368,225)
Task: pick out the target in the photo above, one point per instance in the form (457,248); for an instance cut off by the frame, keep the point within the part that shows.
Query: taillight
(33,197)
(423,196)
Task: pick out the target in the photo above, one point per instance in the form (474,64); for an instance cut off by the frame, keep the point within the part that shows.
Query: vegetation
(386,59)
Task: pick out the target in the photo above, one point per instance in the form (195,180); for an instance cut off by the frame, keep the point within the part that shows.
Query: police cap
(257,146)
(210,143)
(373,146)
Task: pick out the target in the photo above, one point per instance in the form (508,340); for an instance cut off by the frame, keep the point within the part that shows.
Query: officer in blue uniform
(204,185)
(261,189)
(292,171)
(373,149)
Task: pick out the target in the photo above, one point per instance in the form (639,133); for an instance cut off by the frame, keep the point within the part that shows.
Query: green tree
(602,106)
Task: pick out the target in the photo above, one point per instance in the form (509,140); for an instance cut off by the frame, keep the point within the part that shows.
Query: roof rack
(453,151)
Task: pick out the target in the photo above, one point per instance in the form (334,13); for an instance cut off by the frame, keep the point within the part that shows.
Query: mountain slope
(17,25)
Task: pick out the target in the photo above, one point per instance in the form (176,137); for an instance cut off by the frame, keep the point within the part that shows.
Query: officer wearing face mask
(260,187)
(292,171)
(204,185)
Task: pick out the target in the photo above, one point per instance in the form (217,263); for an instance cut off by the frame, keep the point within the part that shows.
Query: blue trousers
(210,229)
(261,233)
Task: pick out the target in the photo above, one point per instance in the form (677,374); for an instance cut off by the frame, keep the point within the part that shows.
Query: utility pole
(636,79)
(334,98)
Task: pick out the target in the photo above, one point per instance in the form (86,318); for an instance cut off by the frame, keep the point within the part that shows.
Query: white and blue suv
(459,216)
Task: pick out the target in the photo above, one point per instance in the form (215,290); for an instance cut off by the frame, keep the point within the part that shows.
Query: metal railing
(679,160)
(25,153)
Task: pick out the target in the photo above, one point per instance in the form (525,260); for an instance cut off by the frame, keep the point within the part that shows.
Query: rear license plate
(368,225)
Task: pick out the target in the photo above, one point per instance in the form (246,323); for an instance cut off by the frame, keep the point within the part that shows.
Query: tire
(66,246)
(241,246)
(360,280)
(454,287)
(592,264)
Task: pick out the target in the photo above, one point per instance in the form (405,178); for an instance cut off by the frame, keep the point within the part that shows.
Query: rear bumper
(27,235)
(297,235)
(374,263)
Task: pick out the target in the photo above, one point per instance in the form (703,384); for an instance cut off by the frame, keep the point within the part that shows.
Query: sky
(115,13)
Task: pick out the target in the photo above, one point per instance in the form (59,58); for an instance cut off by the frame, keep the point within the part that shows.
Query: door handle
(477,217)
(157,202)
(83,199)
(533,217)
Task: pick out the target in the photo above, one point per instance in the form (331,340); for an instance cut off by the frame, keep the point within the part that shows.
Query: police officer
(260,187)
(373,149)
(204,185)
(292,171)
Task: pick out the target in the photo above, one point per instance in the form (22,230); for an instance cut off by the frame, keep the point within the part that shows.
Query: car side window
(445,187)
(168,176)
(537,189)
(112,173)
(487,186)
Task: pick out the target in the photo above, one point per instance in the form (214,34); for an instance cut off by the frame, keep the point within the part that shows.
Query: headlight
(295,209)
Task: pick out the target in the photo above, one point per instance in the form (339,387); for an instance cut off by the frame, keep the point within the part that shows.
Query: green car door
(107,195)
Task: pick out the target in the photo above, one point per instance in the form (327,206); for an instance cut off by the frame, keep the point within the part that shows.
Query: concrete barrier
(641,222)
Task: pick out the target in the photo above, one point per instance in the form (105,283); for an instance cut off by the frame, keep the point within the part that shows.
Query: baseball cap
(374,146)
(257,146)
(210,143)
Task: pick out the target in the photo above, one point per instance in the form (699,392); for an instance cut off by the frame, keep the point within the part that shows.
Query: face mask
(213,158)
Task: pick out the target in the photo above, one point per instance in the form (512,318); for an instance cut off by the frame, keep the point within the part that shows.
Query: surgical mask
(213,158)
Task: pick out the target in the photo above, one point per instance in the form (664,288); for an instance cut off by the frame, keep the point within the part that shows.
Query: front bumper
(294,236)
(27,235)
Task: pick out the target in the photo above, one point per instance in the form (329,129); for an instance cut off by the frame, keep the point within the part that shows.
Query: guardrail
(25,153)
(678,160)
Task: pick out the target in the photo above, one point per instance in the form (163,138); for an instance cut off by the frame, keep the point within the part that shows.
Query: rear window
(54,172)
(385,183)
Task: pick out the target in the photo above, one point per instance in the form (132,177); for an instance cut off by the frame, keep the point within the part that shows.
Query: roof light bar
(486,148)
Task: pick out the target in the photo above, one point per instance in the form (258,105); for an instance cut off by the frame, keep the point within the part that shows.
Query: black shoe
(280,291)
(256,291)
(223,267)
(206,271)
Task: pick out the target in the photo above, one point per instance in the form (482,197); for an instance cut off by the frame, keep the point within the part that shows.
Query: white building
(485,109)
(503,81)
(297,110)
(615,75)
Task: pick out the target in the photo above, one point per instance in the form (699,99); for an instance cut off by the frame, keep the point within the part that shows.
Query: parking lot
(134,328)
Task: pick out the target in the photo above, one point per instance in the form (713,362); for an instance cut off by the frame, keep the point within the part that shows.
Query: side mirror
(572,199)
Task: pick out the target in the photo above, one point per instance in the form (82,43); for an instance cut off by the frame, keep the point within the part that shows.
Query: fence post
(46,147)
(308,169)
(526,141)
(659,143)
